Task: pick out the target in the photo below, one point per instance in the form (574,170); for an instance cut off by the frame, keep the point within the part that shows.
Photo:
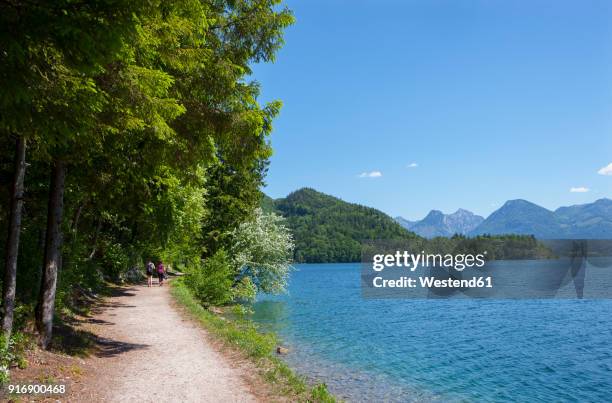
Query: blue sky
(491,100)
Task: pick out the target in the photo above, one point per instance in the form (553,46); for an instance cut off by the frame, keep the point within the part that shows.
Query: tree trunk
(52,259)
(75,220)
(95,239)
(12,241)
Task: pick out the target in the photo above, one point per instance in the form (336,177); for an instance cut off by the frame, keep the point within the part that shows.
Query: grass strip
(243,335)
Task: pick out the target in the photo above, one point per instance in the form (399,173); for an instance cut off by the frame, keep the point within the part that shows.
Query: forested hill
(327,229)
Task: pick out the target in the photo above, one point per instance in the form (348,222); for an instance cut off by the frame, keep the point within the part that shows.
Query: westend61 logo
(562,268)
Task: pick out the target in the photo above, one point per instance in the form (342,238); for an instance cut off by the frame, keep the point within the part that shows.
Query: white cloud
(412,165)
(580,189)
(373,174)
(607,170)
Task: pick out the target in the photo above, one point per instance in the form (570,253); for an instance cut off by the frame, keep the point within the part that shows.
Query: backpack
(150,268)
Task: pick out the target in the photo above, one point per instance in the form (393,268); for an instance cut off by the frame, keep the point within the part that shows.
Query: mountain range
(327,229)
(437,223)
(583,221)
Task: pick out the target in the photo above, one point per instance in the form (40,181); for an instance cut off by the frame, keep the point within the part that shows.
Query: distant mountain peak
(404,222)
(588,221)
(603,200)
(436,223)
(520,202)
(434,214)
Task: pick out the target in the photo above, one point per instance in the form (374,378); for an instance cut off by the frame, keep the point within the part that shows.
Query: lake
(439,349)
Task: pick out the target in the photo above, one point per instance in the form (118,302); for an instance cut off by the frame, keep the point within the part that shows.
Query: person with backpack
(150,271)
(161,273)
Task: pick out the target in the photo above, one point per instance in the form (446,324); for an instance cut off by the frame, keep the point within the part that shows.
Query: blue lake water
(440,350)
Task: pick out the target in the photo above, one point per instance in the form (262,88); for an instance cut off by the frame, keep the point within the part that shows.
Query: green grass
(244,336)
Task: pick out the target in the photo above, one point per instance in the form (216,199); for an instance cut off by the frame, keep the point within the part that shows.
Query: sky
(408,106)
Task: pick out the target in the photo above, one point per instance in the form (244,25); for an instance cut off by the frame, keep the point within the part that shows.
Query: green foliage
(502,247)
(233,194)
(113,259)
(211,282)
(244,290)
(262,252)
(260,261)
(151,107)
(328,230)
(267,204)
(13,353)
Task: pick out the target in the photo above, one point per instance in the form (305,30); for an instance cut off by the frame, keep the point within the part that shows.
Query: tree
(52,259)
(51,51)
(262,251)
(12,243)
(233,195)
(223,123)
(133,112)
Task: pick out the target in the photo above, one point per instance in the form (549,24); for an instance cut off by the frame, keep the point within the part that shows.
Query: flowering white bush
(263,251)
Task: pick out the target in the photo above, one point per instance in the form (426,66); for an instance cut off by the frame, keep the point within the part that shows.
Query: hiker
(150,271)
(161,273)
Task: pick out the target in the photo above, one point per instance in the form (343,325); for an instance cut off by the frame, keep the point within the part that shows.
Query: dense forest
(131,131)
(327,229)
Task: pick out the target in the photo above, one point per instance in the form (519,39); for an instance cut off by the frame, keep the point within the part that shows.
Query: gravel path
(150,353)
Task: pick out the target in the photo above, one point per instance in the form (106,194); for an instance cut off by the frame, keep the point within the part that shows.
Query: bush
(211,283)
(13,353)
(114,259)
(262,251)
(244,291)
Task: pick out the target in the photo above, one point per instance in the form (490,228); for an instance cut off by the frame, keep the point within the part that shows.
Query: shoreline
(244,338)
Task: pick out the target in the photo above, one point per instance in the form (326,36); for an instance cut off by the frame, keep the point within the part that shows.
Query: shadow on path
(70,338)
(110,348)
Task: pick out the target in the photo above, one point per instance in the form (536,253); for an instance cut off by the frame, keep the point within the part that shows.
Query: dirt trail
(150,352)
